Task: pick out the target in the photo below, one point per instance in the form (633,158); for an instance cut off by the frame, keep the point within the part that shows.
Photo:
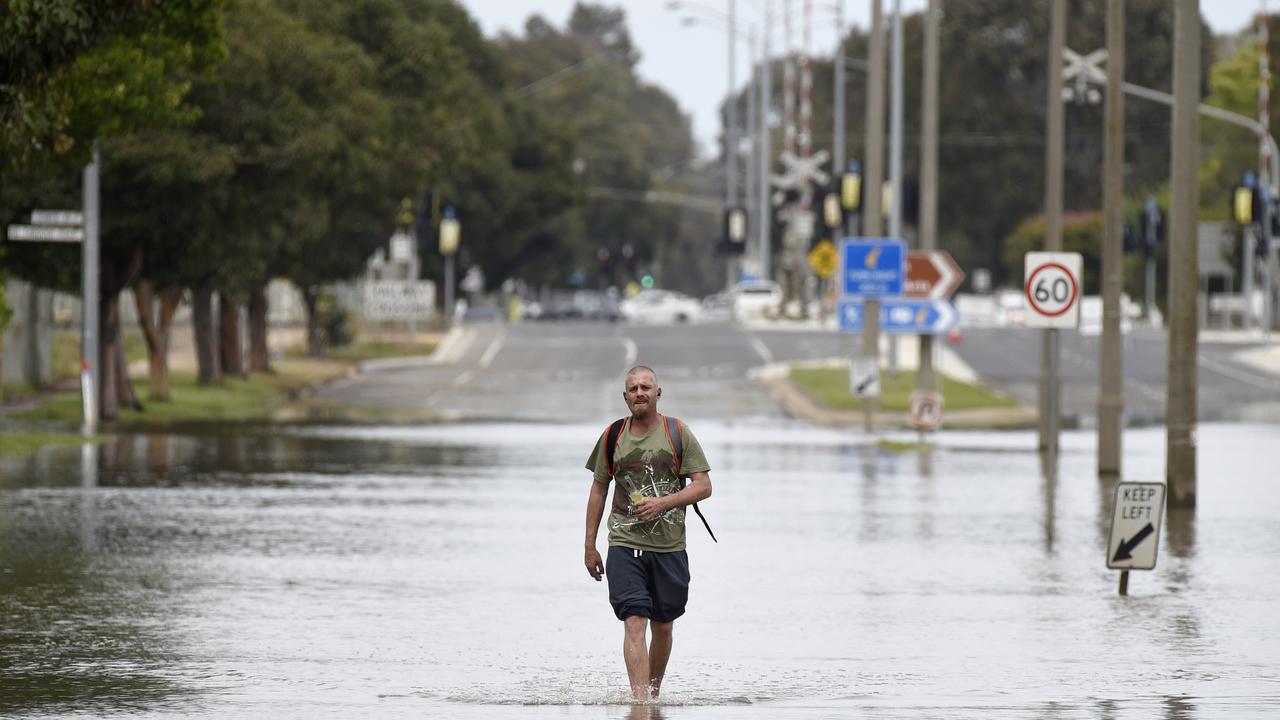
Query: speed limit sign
(1053,289)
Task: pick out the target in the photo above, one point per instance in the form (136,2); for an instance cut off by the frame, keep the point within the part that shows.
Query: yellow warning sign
(823,258)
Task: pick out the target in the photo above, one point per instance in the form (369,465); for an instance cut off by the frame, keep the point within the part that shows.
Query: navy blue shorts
(652,585)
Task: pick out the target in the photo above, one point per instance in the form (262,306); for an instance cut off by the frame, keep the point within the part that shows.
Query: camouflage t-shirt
(645,466)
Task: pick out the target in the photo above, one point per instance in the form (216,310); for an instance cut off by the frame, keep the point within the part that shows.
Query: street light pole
(90,343)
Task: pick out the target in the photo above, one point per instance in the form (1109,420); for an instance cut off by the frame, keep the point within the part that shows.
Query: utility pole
(1184,205)
(872,225)
(1265,179)
(1111,391)
(1050,386)
(895,151)
(765,223)
(838,161)
(731,142)
(929,166)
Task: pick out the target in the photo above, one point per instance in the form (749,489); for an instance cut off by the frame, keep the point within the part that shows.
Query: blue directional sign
(901,315)
(872,267)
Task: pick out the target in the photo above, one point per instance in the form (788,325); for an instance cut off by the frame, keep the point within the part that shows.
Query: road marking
(462,379)
(1242,376)
(761,349)
(490,352)
(632,351)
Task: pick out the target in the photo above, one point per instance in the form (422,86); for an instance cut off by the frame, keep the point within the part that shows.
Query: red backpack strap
(675,436)
(611,442)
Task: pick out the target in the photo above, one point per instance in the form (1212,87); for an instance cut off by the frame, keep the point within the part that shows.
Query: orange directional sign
(932,274)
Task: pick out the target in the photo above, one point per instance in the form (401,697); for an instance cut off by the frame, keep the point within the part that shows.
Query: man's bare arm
(595,511)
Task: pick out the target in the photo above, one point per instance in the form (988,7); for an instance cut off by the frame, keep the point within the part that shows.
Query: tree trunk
(156,333)
(208,371)
(125,391)
(229,345)
(108,375)
(259,354)
(315,343)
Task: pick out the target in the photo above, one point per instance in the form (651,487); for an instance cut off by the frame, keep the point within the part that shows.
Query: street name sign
(46,233)
(1135,526)
(932,274)
(1052,289)
(872,267)
(900,315)
(823,258)
(73,218)
(51,226)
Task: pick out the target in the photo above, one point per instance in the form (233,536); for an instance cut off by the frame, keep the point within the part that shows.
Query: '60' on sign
(1053,289)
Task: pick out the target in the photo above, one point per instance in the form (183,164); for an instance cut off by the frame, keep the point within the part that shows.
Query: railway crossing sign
(1135,526)
(1052,289)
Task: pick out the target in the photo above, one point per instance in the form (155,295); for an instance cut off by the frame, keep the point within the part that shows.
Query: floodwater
(436,571)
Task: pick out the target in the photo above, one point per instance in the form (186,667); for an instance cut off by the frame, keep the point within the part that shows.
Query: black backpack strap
(611,442)
(675,434)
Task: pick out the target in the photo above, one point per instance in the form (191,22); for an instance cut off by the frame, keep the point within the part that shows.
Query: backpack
(675,437)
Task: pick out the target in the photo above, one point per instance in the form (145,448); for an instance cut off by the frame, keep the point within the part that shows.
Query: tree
(84,72)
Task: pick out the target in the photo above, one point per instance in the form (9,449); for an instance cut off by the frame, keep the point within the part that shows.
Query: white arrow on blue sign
(901,315)
(872,267)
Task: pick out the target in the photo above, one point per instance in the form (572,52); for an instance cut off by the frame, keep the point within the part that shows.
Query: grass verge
(830,387)
(257,397)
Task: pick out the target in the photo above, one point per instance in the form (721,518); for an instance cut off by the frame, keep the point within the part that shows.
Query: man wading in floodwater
(647,566)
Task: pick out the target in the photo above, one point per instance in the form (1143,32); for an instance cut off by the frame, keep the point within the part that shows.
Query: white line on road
(1242,376)
(761,349)
(632,351)
(462,379)
(490,352)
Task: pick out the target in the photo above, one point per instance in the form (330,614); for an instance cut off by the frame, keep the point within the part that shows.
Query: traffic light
(1242,205)
(1150,227)
(734,235)
(851,188)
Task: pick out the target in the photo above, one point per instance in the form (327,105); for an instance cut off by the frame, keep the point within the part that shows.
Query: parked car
(756,299)
(660,307)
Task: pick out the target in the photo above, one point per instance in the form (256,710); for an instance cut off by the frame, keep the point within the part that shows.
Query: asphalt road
(573,371)
(1228,388)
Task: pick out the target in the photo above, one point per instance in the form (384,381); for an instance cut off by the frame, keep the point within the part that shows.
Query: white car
(660,307)
(756,299)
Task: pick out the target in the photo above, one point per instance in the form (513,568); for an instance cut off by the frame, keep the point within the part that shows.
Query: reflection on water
(436,572)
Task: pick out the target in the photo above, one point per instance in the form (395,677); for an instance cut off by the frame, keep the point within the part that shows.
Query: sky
(691,61)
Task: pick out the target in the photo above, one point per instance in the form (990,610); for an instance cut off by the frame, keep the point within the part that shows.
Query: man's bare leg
(659,653)
(636,656)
